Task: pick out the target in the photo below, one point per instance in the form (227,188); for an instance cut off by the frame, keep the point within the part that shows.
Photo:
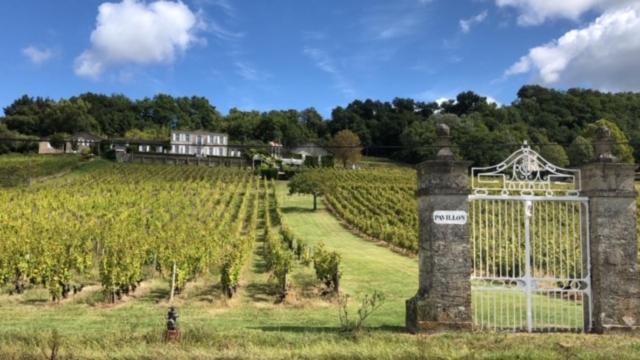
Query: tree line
(560,124)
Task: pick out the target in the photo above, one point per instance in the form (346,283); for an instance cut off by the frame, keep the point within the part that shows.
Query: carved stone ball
(442,130)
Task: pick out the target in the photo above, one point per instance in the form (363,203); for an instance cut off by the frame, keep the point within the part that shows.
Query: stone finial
(444,142)
(604,145)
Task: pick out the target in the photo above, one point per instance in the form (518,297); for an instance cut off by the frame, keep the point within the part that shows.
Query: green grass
(17,169)
(365,266)
(252,326)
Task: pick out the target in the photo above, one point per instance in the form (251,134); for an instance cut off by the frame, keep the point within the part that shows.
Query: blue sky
(281,54)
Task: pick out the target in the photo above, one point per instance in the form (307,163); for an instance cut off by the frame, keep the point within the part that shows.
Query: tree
(555,154)
(580,151)
(307,183)
(150,133)
(314,123)
(346,147)
(466,103)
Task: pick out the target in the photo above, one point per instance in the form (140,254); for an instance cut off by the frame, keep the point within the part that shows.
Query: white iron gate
(529,235)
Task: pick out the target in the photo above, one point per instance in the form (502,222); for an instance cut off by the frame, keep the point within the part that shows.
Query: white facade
(200,143)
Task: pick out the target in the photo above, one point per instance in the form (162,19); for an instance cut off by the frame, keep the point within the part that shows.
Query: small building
(201,143)
(78,142)
(310,150)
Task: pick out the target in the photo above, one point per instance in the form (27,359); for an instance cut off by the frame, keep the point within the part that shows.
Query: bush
(328,161)
(269,173)
(368,305)
(311,162)
(327,266)
(86,153)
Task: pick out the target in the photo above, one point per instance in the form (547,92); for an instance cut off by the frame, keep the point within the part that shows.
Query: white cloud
(604,54)
(324,62)
(394,19)
(491,100)
(466,24)
(249,72)
(37,55)
(442,100)
(136,32)
(535,12)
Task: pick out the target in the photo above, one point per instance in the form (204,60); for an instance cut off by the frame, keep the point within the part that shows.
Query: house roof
(312,149)
(198,132)
(79,135)
(121,141)
(86,135)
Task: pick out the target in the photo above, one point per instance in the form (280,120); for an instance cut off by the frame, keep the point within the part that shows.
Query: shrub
(327,266)
(311,162)
(368,305)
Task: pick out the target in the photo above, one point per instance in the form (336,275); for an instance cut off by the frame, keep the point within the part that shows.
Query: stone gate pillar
(443,300)
(615,281)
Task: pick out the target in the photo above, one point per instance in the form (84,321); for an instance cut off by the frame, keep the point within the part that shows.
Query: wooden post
(173,282)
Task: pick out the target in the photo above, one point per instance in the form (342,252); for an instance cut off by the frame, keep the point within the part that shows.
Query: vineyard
(119,225)
(89,258)
(20,169)
(378,202)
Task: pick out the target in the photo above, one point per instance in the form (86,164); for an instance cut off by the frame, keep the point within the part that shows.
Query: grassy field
(253,326)
(19,169)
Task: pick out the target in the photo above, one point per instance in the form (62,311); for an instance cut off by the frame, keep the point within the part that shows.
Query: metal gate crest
(529,235)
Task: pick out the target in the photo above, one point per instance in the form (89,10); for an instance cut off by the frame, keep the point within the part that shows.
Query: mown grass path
(365,266)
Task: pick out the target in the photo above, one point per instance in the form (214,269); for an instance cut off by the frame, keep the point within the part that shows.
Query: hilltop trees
(402,128)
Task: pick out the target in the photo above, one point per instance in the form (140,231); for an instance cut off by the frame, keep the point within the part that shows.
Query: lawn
(253,326)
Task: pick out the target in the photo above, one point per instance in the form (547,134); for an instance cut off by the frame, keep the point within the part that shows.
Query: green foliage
(402,129)
(311,162)
(327,266)
(20,169)
(307,182)
(580,151)
(346,147)
(125,217)
(621,148)
(328,161)
(149,133)
(555,154)
(377,202)
(268,172)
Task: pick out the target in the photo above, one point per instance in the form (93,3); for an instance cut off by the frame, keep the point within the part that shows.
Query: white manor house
(201,143)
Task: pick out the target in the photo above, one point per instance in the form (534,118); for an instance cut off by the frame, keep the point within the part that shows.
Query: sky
(294,54)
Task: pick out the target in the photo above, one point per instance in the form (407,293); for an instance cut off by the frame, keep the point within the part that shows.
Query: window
(188,137)
(173,149)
